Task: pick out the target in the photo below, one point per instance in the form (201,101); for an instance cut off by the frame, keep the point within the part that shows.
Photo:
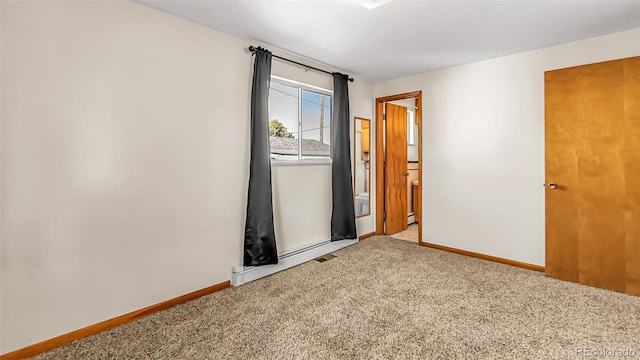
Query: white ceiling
(406,37)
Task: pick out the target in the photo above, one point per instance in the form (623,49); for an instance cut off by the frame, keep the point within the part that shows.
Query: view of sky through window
(308,119)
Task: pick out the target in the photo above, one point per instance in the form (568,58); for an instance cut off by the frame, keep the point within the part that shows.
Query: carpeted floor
(382,299)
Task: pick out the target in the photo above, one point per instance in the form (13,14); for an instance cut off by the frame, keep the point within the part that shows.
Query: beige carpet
(382,299)
(410,234)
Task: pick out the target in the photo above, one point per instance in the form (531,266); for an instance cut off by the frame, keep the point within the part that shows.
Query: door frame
(379,144)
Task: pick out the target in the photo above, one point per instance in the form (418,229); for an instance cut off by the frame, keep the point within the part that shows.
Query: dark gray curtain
(259,235)
(343,218)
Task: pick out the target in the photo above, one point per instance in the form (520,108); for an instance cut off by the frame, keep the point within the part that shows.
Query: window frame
(302,86)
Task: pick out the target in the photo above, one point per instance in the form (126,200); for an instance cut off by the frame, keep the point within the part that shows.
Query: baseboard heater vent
(244,274)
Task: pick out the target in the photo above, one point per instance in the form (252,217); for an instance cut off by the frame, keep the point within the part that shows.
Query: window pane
(316,125)
(283,121)
(411,126)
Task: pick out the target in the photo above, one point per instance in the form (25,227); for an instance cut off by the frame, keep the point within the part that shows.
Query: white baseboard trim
(244,274)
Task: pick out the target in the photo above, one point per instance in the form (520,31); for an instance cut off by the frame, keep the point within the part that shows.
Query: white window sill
(299,162)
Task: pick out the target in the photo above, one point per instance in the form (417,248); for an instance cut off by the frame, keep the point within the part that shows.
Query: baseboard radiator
(244,274)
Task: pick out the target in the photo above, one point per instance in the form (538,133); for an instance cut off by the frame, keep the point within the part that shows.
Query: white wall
(483,137)
(125,148)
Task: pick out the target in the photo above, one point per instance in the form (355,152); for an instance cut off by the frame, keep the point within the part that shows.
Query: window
(299,121)
(411,127)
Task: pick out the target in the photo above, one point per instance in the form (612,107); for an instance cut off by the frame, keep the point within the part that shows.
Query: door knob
(406,174)
(552,186)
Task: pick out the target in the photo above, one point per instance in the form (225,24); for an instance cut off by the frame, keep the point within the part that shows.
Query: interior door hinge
(384,215)
(384,117)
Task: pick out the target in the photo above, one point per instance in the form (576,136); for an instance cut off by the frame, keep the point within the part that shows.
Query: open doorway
(399,166)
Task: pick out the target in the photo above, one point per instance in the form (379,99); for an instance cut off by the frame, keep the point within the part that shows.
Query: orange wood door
(632,173)
(592,153)
(396,169)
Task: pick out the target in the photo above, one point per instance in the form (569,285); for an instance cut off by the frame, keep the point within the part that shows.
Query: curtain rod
(253,49)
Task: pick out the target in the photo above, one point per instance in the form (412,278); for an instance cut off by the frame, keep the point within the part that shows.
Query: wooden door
(396,169)
(592,159)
